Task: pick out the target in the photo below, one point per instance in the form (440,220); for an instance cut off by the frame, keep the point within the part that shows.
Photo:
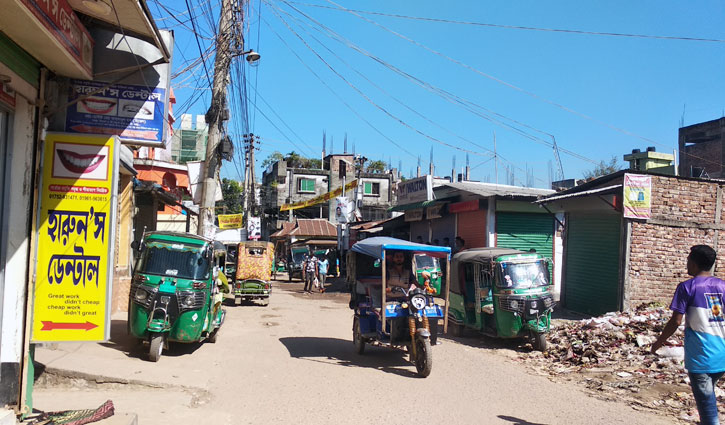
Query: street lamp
(252,57)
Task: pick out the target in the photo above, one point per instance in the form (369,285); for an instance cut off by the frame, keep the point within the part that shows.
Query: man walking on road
(700,300)
(322,266)
(310,267)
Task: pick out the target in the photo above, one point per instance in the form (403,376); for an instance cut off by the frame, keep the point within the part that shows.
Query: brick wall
(683,214)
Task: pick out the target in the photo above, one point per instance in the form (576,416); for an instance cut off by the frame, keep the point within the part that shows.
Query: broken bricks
(613,350)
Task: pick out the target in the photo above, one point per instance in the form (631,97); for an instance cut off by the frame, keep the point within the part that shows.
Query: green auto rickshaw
(174,290)
(503,293)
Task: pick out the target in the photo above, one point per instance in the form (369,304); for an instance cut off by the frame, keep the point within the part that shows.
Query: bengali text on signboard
(75,238)
(134,113)
(230,221)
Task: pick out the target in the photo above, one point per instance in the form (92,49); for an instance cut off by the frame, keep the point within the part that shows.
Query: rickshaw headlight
(141,295)
(189,301)
(434,275)
(418,302)
(514,304)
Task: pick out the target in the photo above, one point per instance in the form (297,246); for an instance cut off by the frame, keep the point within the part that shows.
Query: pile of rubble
(610,355)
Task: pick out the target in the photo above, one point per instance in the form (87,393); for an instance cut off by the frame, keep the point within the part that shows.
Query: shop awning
(423,204)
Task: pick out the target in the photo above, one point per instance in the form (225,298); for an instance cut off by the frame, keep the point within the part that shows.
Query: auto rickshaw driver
(397,275)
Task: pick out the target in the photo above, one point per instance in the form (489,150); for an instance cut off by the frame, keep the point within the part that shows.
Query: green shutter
(307,185)
(525,231)
(19,61)
(368,188)
(591,275)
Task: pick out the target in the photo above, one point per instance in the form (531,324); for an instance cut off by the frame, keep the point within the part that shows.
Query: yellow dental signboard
(75,238)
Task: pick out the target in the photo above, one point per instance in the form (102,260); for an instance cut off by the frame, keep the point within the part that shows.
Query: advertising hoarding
(415,190)
(637,196)
(75,239)
(134,113)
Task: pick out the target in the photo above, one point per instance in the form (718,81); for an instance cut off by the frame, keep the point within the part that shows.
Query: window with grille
(371,189)
(306,185)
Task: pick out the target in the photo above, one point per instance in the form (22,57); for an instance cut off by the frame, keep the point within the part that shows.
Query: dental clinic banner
(134,113)
(75,239)
(637,196)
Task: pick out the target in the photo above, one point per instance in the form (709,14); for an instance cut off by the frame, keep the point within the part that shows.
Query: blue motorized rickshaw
(398,316)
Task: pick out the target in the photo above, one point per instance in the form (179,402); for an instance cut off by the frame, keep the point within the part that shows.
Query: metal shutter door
(472,228)
(592,263)
(525,231)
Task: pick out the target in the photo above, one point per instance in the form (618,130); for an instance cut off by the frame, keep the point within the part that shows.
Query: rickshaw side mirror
(376,264)
(138,246)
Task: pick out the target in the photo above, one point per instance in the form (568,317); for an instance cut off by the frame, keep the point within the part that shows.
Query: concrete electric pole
(215,118)
(250,199)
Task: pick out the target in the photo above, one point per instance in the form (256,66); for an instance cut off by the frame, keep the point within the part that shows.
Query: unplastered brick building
(613,262)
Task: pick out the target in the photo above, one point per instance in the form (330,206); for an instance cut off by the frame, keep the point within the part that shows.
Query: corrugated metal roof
(491,189)
(284,231)
(314,227)
(600,191)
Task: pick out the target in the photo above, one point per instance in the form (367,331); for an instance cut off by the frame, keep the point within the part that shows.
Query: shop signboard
(637,196)
(75,239)
(414,215)
(465,206)
(230,221)
(59,19)
(434,211)
(134,113)
(415,190)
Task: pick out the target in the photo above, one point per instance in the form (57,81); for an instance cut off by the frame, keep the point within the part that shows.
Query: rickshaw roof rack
(375,246)
(486,254)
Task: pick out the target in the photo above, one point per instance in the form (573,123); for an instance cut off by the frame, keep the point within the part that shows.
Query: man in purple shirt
(700,300)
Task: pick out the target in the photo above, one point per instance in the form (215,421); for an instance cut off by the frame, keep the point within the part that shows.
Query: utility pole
(215,117)
(250,198)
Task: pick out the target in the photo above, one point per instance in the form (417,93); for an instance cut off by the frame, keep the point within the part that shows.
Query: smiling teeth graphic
(79,163)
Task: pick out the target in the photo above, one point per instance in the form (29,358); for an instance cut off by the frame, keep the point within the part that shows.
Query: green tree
(233,192)
(272,158)
(312,163)
(603,168)
(376,166)
(293,159)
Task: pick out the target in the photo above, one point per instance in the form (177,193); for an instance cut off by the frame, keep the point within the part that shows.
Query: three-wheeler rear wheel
(357,338)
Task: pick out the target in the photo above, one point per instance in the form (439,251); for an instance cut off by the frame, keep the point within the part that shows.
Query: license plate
(165,299)
(431,311)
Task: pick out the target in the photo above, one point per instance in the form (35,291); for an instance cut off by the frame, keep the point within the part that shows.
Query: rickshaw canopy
(483,255)
(376,246)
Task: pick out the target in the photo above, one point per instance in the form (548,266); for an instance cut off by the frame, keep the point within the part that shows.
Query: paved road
(293,362)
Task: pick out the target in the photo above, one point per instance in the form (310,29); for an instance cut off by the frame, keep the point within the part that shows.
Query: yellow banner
(319,199)
(75,238)
(230,221)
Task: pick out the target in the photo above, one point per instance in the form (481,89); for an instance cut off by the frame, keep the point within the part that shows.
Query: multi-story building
(188,143)
(282,184)
(701,149)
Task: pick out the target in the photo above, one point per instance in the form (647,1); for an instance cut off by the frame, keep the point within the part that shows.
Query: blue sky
(643,87)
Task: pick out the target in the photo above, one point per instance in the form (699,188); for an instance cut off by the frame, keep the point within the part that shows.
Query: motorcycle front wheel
(424,357)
